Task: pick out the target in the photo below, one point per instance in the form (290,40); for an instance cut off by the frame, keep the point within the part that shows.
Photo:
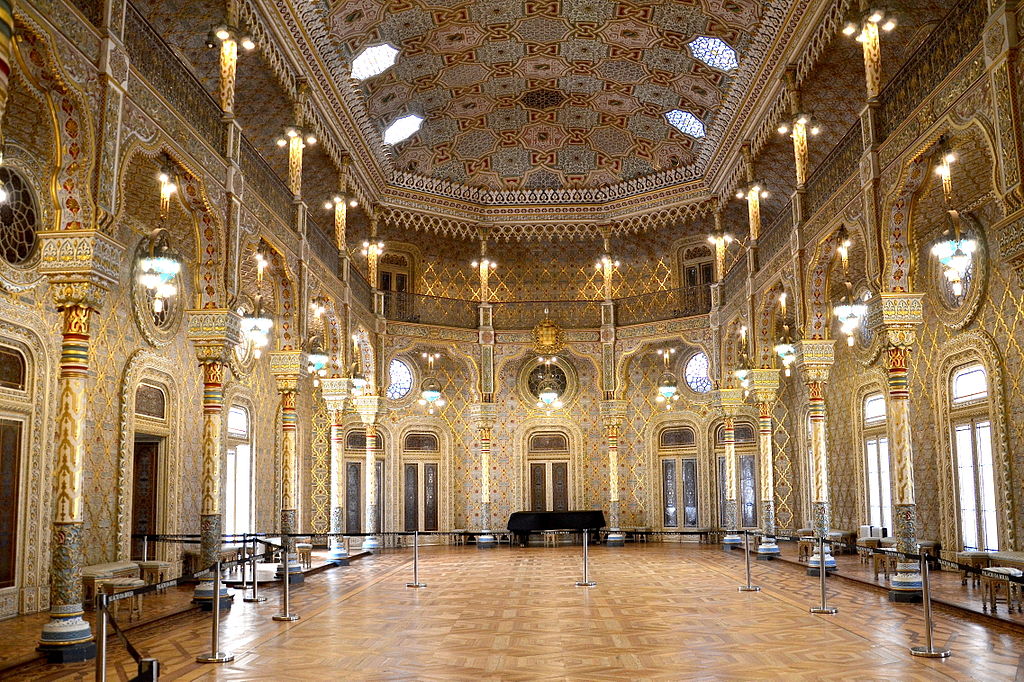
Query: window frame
(875,432)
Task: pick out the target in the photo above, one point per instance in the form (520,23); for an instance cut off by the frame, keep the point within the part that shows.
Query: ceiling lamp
(742,371)
(785,348)
(802,124)
(373,60)
(952,249)
(430,389)
(318,306)
(752,189)
(668,386)
(606,261)
(316,359)
(849,311)
(262,261)
(402,128)
(159,268)
(337,200)
(297,134)
(255,328)
(224,32)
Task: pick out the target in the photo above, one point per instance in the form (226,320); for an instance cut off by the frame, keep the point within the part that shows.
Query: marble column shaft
(729,441)
(337,475)
(819,485)
(904,516)
(210,518)
(764,435)
(370,477)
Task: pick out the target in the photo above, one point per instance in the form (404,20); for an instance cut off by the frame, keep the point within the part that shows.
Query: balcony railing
(322,245)
(362,293)
(734,286)
(581,314)
(663,305)
(447,312)
(776,237)
(949,43)
(836,169)
(265,182)
(159,65)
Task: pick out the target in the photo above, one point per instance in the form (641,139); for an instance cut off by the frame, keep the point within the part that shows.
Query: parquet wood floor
(658,612)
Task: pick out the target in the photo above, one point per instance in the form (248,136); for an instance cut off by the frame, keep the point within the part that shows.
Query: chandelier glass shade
(787,354)
(955,256)
(850,315)
(157,273)
(255,330)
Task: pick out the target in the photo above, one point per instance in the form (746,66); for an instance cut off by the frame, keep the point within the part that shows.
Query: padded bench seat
(98,573)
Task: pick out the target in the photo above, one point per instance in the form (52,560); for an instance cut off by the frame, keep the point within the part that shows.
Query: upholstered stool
(305,553)
(805,548)
(865,547)
(117,586)
(886,561)
(975,558)
(996,577)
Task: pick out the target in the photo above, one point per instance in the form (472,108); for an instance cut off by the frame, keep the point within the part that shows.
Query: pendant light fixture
(668,385)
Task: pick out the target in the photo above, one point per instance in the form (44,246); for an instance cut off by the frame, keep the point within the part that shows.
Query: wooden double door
(549,486)
(420,495)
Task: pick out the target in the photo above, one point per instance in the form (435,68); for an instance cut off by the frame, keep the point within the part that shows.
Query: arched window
(876,453)
(150,401)
(400,380)
(677,437)
(421,442)
(356,440)
(18,219)
(972,457)
(549,442)
(696,373)
(238,497)
(743,434)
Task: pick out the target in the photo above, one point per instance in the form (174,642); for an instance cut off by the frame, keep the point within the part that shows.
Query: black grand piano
(521,524)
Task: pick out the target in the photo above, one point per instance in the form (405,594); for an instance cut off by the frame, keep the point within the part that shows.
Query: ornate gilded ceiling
(543,94)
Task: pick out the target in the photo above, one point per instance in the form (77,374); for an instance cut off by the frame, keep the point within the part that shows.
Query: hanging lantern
(668,386)
(255,328)
(787,354)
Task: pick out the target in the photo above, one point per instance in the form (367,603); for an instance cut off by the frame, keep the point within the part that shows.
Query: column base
(814,563)
(767,550)
(371,543)
(486,540)
(615,538)
(905,586)
(295,575)
(203,596)
(67,639)
(338,556)
(732,540)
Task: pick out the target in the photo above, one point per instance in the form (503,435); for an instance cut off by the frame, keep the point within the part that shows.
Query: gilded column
(484,416)
(901,313)
(729,400)
(368,407)
(6,52)
(287,367)
(765,383)
(814,359)
(81,266)
(336,391)
(870,43)
(613,413)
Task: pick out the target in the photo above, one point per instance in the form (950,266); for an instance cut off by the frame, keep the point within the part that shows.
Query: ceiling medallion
(547,337)
(542,99)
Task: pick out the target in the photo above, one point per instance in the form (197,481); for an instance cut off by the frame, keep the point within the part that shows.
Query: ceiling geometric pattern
(539,94)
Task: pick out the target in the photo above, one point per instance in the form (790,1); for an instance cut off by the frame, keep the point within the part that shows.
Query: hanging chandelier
(549,392)
(668,386)
(952,249)
(848,311)
(742,371)
(255,328)
(316,359)
(159,269)
(785,348)
(430,389)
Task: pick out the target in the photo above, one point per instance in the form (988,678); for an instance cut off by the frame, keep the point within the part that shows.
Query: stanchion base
(827,610)
(925,652)
(254,600)
(580,583)
(748,588)
(215,657)
(286,617)
(415,584)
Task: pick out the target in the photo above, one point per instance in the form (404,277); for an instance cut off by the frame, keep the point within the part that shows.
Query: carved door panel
(538,488)
(144,493)
(411,497)
(430,496)
(559,486)
(10,458)
(353,497)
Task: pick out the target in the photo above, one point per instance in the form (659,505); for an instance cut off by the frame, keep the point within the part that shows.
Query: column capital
(613,412)
(287,367)
(214,333)
(81,265)
(815,357)
(368,406)
(336,390)
(765,384)
(901,315)
(483,414)
(729,400)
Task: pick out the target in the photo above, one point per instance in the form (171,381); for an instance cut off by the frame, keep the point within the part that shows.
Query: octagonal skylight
(402,128)
(373,60)
(686,122)
(714,52)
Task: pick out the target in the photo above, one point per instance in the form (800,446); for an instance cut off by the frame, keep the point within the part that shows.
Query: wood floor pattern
(658,612)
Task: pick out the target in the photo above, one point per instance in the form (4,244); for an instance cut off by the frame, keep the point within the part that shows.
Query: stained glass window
(714,52)
(686,122)
(696,373)
(373,60)
(400,380)
(17,218)
(402,129)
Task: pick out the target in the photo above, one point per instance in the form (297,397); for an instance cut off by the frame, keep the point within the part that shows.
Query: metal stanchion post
(928,651)
(101,637)
(145,548)
(286,614)
(824,608)
(586,582)
(746,553)
(215,655)
(415,561)
(255,581)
